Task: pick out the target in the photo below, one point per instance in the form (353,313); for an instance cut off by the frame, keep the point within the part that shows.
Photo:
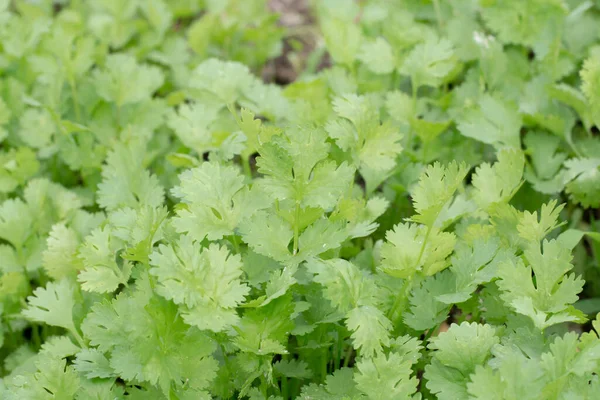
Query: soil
(296,17)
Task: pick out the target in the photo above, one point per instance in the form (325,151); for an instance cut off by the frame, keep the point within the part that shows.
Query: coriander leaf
(205,283)
(295,168)
(410,248)
(344,285)
(269,235)
(140,229)
(293,369)
(338,386)
(435,188)
(374,145)
(217,200)
(533,230)
(549,300)
(104,272)
(456,354)
(471,266)
(343,39)
(498,183)
(148,341)
(225,80)
(192,123)
(60,257)
(590,76)
(125,182)
(429,63)
(493,122)
(370,329)
(524,23)
(582,179)
(16,222)
(384,377)
(426,311)
(124,81)
(17,166)
(93,364)
(263,330)
(377,56)
(544,152)
(37,128)
(56,378)
(53,305)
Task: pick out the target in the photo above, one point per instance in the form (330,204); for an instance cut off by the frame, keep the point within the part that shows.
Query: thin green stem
(423,245)
(296,227)
(415,90)
(78,337)
(324,362)
(438,14)
(246,166)
(235,242)
(402,298)
(35,336)
(430,333)
(264,387)
(348,356)
(24,264)
(285,389)
(75,99)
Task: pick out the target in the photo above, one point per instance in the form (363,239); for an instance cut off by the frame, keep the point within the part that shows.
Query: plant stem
(75,99)
(324,362)
(235,242)
(347,356)
(438,14)
(423,245)
(78,337)
(296,227)
(263,385)
(285,390)
(246,167)
(402,298)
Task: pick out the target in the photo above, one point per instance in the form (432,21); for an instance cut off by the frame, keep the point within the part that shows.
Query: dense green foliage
(416,220)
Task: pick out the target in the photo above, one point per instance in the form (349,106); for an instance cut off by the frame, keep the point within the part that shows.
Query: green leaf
(295,168)
(338,386)
(499,182)
(269,235)
(125,182)
(93,364)
(343,39)
(344,285)
(205,283)
(549,300)
(293,369)
(582,178)
(386,377)
(226,81)
(456,354)
(533,230)
(429,63)
(493,122)
(217,199)
(374,145)
(436,187)
(124,81)
(52,305)
(102,272)
(411,248)
(377,56)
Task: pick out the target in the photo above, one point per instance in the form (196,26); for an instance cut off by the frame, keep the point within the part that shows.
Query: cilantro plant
(413,217)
